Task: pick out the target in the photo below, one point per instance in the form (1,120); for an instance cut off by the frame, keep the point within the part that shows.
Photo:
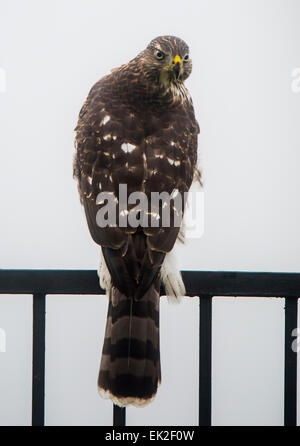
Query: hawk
(137,129)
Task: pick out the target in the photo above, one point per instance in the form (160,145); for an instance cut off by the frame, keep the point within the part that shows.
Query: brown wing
(155,152)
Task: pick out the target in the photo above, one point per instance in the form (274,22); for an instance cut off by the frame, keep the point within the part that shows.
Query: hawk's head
(167,60)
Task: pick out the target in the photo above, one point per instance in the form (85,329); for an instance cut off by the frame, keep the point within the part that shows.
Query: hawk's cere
(137,128)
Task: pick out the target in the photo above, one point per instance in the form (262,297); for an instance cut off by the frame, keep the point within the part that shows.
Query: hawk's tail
(130,365)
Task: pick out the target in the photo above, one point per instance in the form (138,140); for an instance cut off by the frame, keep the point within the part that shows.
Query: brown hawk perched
(137,128)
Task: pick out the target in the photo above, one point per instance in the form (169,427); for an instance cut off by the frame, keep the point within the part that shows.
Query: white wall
(245,54)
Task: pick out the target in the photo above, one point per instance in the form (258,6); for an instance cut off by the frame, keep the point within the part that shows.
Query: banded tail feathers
(130,365)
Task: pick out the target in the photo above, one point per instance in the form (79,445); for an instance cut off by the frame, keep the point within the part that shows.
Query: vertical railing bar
(205,355)
(290,363)
(119,418)
(38,359)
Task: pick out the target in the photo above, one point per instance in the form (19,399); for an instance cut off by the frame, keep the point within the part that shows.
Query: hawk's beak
(176,65)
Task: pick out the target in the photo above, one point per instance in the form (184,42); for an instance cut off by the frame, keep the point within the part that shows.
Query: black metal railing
(205,285)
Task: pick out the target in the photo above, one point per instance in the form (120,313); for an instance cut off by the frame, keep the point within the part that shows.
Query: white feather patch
(104,275)
(125,401)
(127,147)
(105,120)
(172,280)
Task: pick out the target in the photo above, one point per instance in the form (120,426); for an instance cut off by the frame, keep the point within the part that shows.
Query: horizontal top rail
(213,283)
(205,284)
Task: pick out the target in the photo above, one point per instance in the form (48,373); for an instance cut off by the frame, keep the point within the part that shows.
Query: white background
(244,53)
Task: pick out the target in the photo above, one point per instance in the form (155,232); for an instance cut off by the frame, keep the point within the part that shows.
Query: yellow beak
(177,59)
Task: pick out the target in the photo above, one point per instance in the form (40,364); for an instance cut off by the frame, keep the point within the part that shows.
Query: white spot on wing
(99,199)
(175,192)
(174,162)
(105,120)
(127,147)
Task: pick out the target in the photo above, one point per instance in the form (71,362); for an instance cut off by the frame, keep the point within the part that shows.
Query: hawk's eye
(159,55)
(186,58)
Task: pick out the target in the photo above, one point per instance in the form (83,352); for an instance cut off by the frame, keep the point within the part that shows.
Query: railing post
(119,416)
(205,346)
(38,359)
(290,363)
